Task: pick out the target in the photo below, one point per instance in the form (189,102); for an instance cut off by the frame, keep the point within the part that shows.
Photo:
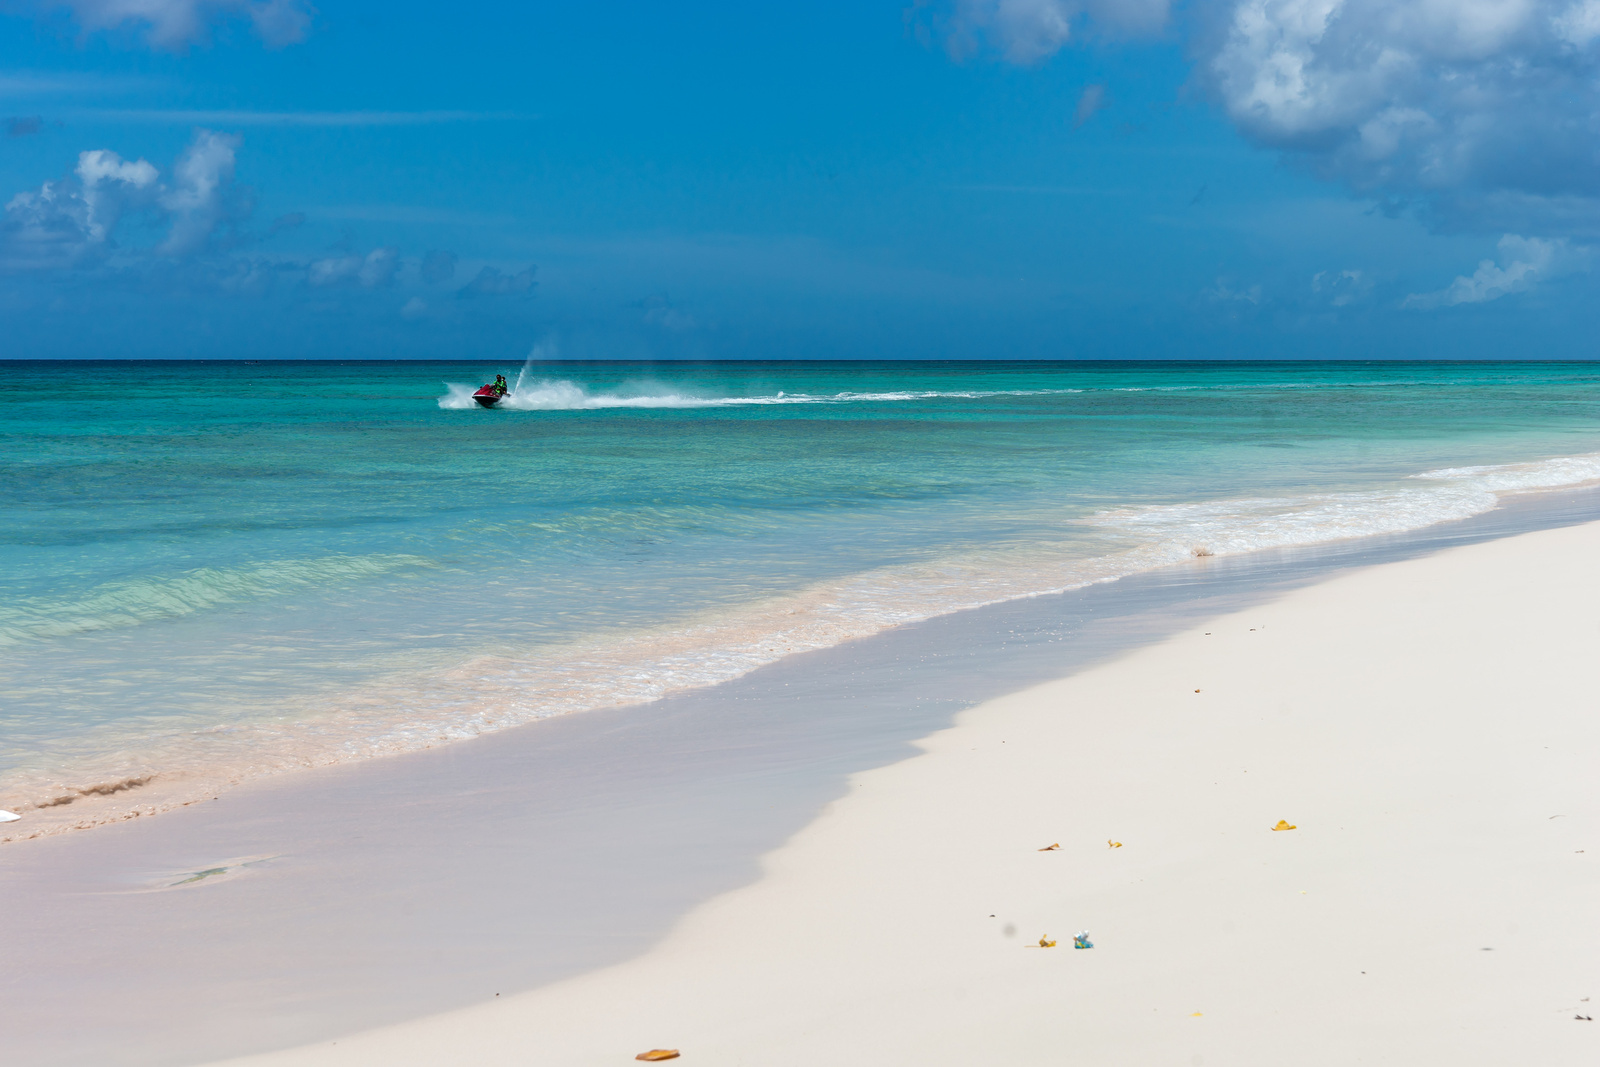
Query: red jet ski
(491,394)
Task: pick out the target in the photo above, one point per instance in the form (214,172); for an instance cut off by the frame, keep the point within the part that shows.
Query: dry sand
(1432,729)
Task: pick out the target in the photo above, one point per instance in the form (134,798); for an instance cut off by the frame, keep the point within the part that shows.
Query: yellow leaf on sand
(1113,844)
(1195,1014)
(1050,848)
(1046,944)
(1284,824)
(658,1054)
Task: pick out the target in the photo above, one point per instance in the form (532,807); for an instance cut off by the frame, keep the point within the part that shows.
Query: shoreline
(1424,728)
(654,665)
(356,896)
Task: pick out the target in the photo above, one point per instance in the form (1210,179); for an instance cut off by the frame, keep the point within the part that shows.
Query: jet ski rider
(499,385)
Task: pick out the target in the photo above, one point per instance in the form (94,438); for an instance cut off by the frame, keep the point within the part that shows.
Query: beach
(691,692)
(1427,727)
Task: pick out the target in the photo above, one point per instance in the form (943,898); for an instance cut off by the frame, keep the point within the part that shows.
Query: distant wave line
(566,396)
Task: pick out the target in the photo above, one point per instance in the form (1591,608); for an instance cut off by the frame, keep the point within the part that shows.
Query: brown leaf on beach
(1049,848)
(658,1054)
(1284,824)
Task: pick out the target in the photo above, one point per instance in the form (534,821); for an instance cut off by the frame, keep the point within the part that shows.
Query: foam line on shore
(489,693)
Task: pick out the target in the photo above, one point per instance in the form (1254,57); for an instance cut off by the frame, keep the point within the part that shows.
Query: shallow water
(221,569)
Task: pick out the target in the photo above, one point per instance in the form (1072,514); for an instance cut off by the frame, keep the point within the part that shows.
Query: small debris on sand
(658,1054)
(1113,844)
(1045,942)
(1285,824)
(1049,848)
(9,816)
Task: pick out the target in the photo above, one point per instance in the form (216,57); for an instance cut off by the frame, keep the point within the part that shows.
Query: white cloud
(74,221)
(371,271)
(1028,31)
(195,201)
(1486,112)
(177,23)
(414,308)
(1579,24)
(1440,99)
(1523,263)
(69,221)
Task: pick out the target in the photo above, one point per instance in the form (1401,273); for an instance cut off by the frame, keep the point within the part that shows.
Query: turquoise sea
(214,570)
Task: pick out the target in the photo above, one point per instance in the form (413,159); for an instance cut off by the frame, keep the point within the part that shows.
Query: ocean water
(210,571)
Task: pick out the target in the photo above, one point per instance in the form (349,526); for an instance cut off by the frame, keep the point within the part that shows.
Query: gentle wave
(1223,527)
(569,396)
(132,601)
(490,693)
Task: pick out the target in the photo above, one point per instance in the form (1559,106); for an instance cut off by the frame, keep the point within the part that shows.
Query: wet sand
(1423,735)
(314,905)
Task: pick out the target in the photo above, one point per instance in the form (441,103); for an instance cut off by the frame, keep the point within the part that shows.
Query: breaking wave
(1224,527)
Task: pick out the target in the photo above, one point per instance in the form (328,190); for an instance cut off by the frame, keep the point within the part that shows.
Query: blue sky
(944,179)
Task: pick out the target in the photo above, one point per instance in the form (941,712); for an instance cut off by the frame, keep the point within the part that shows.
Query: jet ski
(488,396)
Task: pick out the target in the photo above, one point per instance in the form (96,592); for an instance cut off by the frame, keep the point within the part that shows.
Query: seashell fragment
(9,816)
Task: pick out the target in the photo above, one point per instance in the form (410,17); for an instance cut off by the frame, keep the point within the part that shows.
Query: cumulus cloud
(1448,101)
(491,282)
(73,221)
(1523,263)
(1029,31)
(374,270)
(70,221)
(196,201)
(1484,113)
(174,24)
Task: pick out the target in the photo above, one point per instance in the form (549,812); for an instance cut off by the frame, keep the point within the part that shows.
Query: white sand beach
(1430,729)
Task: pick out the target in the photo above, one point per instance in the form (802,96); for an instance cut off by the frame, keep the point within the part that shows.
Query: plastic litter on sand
(1081,940)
